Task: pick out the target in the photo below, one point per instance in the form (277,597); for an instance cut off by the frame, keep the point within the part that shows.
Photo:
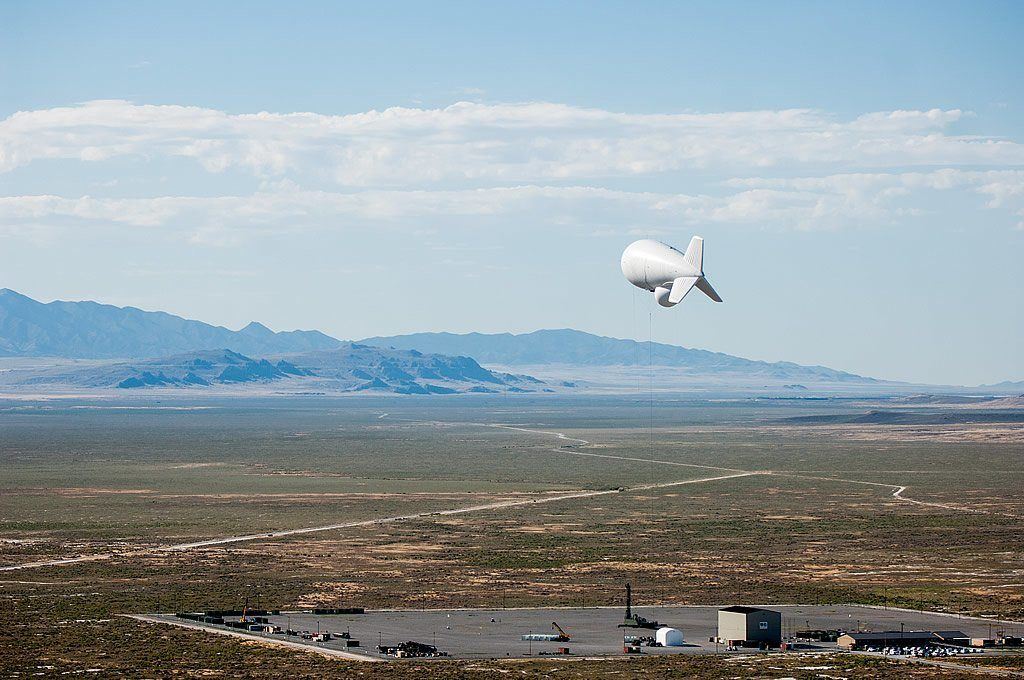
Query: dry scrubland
(94,479)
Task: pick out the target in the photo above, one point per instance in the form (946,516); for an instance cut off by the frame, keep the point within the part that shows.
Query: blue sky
(857,169)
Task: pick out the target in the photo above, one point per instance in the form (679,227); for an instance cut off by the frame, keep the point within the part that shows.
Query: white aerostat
(668,273)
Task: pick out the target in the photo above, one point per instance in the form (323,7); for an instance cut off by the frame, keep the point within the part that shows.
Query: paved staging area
(594,632)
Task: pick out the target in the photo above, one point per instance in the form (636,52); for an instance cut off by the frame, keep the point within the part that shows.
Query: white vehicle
(668,273)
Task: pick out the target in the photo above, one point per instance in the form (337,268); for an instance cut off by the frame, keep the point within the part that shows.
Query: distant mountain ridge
(90,330)
(572,347)
(1011,385)
(565,357)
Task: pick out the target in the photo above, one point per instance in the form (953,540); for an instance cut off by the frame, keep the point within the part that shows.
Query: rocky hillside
(350,367)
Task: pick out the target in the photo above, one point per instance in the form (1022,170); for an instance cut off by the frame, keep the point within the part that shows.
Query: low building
(750,627)
(901,638)
(669,637)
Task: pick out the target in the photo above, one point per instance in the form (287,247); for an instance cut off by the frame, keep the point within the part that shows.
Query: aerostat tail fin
(706,288)
(680,287)
(695,254)
(695,258)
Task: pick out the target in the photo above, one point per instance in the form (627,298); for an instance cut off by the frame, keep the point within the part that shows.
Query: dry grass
(83,483)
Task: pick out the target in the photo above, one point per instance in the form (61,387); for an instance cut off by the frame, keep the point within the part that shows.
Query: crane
(562,635)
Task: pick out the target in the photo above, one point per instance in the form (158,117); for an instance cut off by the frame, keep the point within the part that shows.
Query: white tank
(669,637)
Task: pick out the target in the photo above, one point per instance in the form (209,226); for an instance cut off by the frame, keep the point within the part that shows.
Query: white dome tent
(669,637)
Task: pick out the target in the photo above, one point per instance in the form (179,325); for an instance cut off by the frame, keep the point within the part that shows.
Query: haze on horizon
(857,171)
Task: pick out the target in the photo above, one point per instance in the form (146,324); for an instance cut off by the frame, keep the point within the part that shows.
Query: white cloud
(491,143)
(471,163)
(807,203)
(871,195)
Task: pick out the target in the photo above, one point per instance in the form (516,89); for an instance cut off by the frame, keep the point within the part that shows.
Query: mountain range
(137,348)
